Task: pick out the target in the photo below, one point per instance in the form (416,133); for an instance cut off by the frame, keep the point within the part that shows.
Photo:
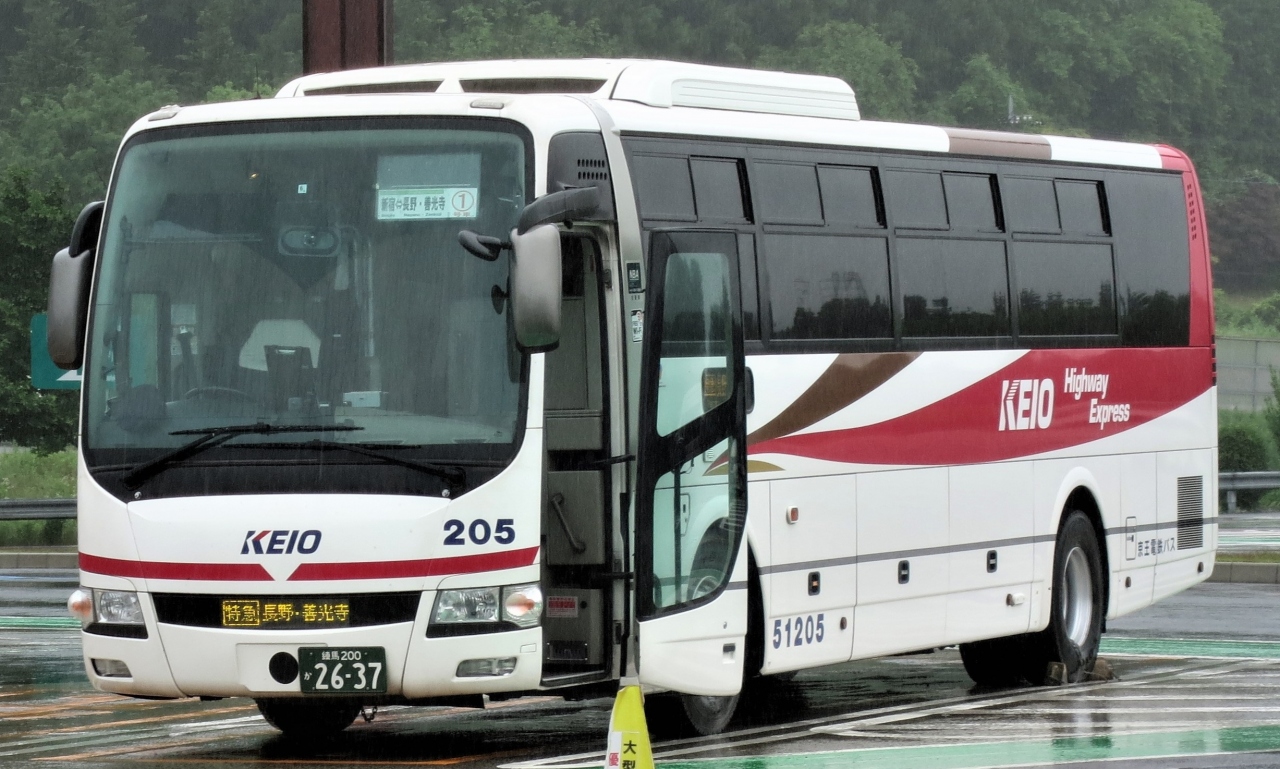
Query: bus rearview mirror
(535,288)
(69,290)
(559,207)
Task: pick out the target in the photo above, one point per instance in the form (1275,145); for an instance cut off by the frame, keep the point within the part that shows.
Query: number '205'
(480,531)
(799,631)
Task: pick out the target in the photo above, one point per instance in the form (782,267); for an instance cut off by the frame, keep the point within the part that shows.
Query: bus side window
(1080,206)
(1031,205)
(953,288)
(829,287)
(719,189)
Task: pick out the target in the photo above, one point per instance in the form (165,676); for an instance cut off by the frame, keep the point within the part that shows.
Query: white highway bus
(422,384)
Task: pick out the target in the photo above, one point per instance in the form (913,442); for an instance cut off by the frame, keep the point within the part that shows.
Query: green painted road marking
(1179,647)
(1243,739)
(38,623)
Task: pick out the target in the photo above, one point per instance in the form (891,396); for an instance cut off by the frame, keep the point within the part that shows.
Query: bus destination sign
(286,613)
(427,203)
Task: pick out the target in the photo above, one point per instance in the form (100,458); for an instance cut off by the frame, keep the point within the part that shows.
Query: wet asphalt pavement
(1198,686)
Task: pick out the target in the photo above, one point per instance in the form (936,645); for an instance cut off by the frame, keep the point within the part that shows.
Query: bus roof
(651,97)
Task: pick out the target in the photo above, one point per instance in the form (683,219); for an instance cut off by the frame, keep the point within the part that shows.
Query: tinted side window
(1030,205)
(1153,261)
(849,196)
(953,287)
(664,187)
(1080,204)
(1064,288)
(970,202)
(788,193)
(829,287)
(916,200)
(717,186)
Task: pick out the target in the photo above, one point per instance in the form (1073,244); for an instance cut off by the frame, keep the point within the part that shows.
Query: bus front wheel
(303,719)
(1075,622)
(687,715)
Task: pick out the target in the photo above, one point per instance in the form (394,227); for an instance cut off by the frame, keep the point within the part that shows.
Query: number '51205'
(799,631)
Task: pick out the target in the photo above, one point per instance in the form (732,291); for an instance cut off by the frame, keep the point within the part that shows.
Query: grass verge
(26,475)
(1259,556)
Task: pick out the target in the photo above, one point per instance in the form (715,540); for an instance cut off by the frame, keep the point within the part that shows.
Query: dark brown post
(345,34)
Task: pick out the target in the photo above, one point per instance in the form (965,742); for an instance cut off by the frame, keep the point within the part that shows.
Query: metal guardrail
(1265,479)
(44,509)
(36,509)
(1251,481)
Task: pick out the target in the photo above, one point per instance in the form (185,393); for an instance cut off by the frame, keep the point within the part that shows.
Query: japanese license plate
(343,670)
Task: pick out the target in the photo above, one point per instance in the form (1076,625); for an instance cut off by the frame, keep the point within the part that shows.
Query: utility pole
(346,34)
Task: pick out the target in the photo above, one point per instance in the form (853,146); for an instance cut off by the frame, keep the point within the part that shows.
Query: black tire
(303,719)
(997,662)
(1076,614)
(686,715)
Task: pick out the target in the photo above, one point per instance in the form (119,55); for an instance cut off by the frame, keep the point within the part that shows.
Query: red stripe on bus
(252,572)
(968,426)
(214,572)
(426,567)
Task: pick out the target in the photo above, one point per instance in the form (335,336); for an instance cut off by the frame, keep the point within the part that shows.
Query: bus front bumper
(180,660)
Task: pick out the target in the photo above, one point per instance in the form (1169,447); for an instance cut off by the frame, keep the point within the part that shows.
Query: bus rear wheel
(688,715)
(1075,622)
(303,719)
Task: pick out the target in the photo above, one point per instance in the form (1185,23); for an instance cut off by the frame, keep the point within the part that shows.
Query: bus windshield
(308,273)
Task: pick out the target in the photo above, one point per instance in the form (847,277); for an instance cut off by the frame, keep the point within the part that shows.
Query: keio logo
(280,542)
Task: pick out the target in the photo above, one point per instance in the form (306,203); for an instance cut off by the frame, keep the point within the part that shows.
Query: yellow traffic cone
(628,733)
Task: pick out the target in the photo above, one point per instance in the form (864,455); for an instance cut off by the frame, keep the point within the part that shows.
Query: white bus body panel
(902,512)
(943,520)
(820,540)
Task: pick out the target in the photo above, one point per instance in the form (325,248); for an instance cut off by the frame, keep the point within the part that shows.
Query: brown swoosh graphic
(1008,145)
(850,376)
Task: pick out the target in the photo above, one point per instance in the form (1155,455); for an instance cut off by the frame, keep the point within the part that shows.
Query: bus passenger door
(578,516)
(691,485)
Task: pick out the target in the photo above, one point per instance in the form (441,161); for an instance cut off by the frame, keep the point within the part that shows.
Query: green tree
(1251,93)
(882,78)
(75,135)
(1246,238)
(502,29)
(981,99)
(1271,410)
(50,57)
(1172,85)
(33,225)
(111,38)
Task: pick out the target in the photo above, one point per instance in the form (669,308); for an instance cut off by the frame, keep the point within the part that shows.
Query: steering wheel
(214,392)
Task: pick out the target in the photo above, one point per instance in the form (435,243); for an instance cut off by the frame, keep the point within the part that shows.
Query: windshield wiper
(211,437)
(451,474)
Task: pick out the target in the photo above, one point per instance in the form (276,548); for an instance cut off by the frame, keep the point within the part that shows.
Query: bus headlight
(479,604)
(117,607)
(521,605)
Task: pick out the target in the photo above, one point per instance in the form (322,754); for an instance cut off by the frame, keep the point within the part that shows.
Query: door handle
(557,504)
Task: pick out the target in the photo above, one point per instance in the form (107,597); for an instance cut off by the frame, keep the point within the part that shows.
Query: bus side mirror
(559,207)
(535,288)
(69,289)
